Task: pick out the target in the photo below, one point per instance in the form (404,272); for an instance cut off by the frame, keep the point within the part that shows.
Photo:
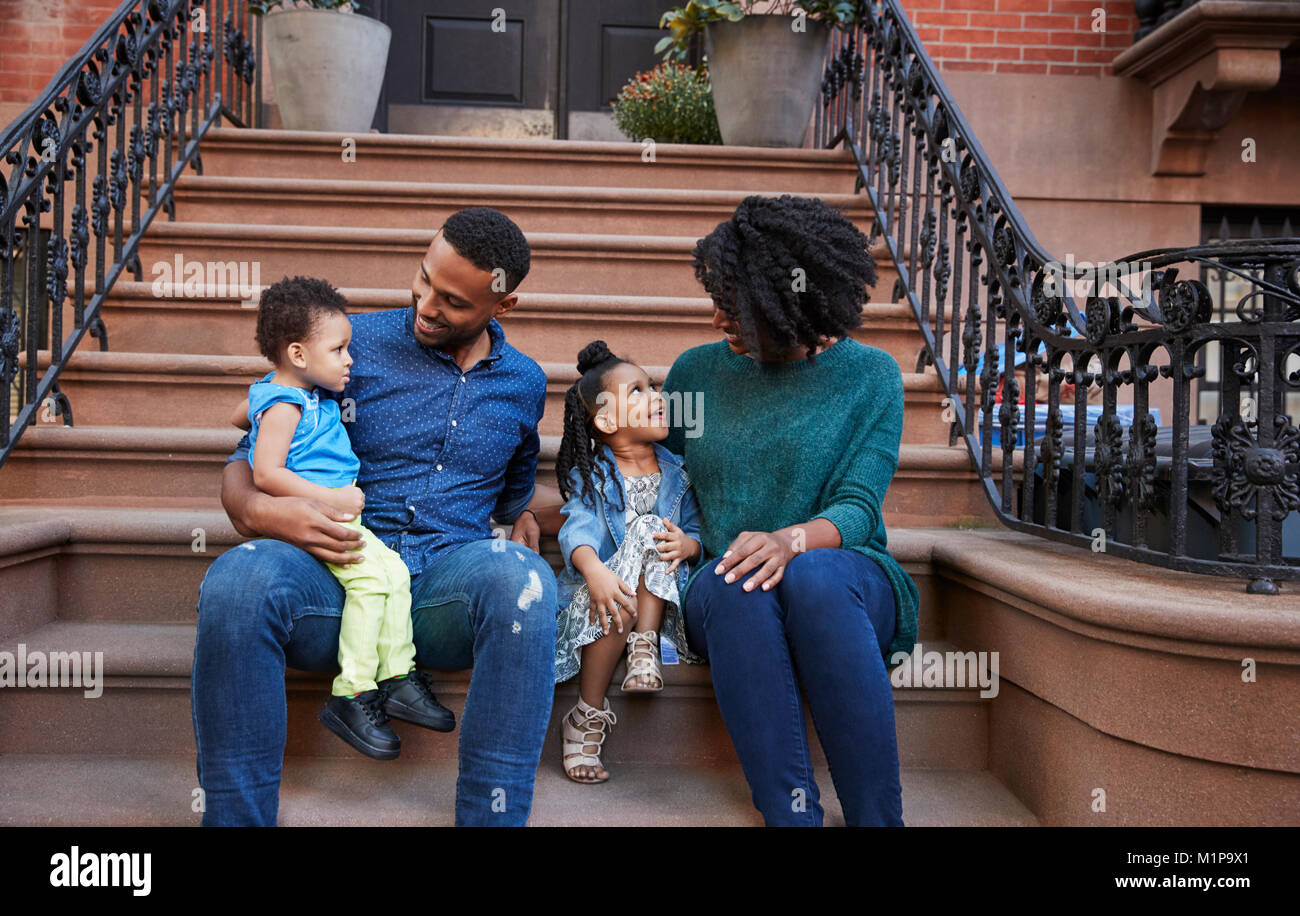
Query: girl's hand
(769,552)
(347,499)
(609,593)
(676,546)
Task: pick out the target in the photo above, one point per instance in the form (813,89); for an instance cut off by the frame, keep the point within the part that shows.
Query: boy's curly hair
(489,239)
(750,267)
(288,311)
(578,446)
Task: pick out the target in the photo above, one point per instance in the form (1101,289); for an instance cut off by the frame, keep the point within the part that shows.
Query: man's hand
(768,552)
(311,525)
(527,532)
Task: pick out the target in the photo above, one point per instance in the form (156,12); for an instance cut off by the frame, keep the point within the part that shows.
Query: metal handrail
(161,72)
(885,101)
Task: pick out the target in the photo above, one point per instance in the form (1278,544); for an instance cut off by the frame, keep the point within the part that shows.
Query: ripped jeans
(489,605)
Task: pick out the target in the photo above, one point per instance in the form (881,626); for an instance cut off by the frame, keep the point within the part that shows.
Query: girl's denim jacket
(603,528)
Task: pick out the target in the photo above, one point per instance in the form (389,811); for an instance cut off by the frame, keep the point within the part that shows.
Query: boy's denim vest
(604,534)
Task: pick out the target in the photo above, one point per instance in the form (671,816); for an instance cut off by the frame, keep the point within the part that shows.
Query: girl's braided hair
(749,266)
(578,445)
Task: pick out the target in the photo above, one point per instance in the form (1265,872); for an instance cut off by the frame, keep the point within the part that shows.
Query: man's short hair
(489,239)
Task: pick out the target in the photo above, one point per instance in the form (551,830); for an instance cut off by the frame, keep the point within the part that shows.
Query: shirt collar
(496,336)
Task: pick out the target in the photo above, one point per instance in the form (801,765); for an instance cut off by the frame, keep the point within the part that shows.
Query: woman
(795,443)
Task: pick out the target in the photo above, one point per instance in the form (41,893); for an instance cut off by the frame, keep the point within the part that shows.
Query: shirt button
(440,467)
(462,378)
(453,422)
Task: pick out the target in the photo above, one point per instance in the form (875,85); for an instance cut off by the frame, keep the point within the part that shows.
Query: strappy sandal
(588,721)
(643,660)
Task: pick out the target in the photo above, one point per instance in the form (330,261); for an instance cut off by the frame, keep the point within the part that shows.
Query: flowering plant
(672,103)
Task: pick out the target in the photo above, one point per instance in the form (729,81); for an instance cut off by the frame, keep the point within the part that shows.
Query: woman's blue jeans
(489,604)
(818,634)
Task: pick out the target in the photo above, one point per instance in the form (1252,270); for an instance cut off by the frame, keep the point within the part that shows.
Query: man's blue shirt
(441,450)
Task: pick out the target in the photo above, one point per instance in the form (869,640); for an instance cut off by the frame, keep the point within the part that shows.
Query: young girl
(631,530)
(299,447)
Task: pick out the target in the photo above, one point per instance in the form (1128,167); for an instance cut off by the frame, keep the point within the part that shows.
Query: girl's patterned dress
(637,555)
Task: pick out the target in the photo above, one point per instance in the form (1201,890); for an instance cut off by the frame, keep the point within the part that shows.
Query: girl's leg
(599,659)
(649,617)
(396,646)
(366,593)
(743,634)
(839,613)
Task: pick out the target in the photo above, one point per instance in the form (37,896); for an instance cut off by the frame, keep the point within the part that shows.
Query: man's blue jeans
(264,605)
(818,634)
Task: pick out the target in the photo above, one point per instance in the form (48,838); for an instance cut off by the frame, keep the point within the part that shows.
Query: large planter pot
(766,77)
(328,68)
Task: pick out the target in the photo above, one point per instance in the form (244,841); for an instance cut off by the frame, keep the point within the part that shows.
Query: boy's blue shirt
(603,528)
(319,451)
(441,449)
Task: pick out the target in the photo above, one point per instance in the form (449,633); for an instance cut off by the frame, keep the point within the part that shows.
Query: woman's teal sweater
(770,448)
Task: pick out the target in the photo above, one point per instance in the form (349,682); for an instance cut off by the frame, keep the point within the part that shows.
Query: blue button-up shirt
(441,449)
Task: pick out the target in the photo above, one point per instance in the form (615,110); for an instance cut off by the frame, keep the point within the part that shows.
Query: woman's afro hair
(489,239)
(790,266)
(288,311)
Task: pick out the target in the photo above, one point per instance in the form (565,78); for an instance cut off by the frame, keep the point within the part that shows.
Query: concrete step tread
(49,790)
(166,650)
(109,361)
(337,190)
(633,306)
(200,439)
(540,147)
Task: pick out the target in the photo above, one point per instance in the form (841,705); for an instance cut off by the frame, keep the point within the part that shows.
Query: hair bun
(593,354)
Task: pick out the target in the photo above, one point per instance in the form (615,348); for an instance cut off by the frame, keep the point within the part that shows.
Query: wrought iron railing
(990,303)
(86,168)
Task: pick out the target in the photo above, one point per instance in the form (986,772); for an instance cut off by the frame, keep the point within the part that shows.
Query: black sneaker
(361,722)
(410,699)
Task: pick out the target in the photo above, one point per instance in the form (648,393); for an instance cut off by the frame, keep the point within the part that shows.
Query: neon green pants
(375,637)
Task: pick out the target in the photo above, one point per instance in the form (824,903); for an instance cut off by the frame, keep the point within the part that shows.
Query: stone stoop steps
(97,521)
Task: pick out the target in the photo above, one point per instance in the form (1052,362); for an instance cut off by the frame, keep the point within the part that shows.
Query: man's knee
(518,586)
(252,585)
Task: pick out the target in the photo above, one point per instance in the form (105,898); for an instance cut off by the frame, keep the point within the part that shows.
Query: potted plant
(766,68)
(328,66)
(669,104)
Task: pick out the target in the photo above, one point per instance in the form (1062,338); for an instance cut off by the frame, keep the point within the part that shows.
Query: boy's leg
(493,604)
(396,647)
(367,588)
(261,604)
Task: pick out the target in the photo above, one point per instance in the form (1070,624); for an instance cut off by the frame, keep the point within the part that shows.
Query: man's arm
(306,523)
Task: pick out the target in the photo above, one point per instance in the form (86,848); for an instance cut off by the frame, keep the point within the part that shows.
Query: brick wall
(1023,36)
(38,36)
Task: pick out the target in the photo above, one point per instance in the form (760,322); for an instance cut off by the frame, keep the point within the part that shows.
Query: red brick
(1068,39)
(1078,7)
(1063,55)
(994,52)
(970,36)
(947,52)
(973,66)
(1095,56)
(1074,70)
(926,17)
(929,34)
(1010,67)
(995,20)
(1023,6)
(1048,23)
(1017,37)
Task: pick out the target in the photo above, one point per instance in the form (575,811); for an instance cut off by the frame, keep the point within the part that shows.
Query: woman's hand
(609,593)
(768,552)
(676,546)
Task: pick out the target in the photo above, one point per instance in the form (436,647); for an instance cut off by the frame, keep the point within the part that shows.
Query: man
(443,415)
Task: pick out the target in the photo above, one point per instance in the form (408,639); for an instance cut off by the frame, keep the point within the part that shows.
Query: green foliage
(672,103)
(685,22)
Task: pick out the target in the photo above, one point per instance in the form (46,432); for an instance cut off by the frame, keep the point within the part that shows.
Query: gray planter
(766,78)
(328,68)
